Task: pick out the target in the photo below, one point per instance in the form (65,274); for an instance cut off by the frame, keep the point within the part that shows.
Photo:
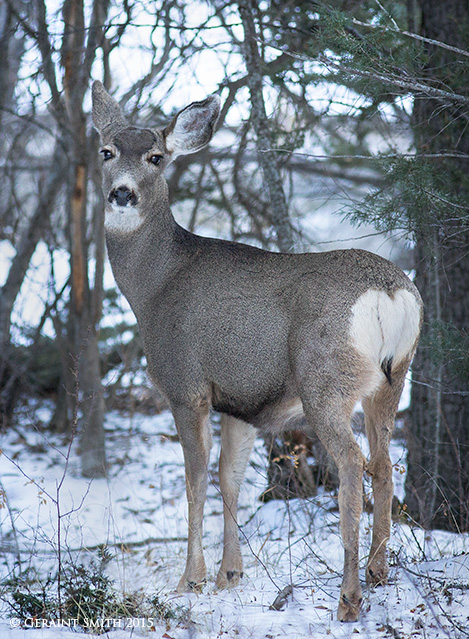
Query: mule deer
(258,336)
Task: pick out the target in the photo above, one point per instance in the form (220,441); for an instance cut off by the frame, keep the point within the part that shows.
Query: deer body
(261,337)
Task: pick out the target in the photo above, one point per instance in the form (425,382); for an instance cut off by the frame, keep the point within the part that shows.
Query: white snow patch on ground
(140,513)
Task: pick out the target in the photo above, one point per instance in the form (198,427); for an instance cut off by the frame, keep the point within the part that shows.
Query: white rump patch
(122,219)
(384,327)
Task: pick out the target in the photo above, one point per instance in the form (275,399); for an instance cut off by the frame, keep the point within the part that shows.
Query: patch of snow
(140,512)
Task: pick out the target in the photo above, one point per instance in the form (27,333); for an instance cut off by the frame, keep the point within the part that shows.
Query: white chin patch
(122,219)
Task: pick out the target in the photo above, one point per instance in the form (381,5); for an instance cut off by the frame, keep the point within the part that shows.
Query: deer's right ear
(107,115)
(192,128)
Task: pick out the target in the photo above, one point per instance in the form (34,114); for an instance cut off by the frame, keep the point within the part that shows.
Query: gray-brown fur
(255,335)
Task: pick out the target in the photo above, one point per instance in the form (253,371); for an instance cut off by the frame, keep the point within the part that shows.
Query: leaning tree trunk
(437,484)
(268,160)
(288,474)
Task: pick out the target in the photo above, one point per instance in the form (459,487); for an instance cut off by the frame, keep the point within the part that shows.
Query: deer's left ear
(107,115)
(192,128)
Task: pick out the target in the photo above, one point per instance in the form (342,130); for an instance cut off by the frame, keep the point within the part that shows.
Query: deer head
(134,159)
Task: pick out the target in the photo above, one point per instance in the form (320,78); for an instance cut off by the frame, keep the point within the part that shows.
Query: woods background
(333,114)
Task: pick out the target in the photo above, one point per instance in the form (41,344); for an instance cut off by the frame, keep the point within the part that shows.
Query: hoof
(348,610)
(187,585)
(228,578)
(376,575)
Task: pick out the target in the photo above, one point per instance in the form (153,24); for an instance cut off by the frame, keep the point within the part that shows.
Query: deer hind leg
(331,421)
(194,432)
(237,439)
(380,412)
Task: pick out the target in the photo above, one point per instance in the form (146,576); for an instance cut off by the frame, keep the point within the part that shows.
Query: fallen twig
(281,599)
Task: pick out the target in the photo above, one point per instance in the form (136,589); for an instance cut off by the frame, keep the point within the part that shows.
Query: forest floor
(139,515)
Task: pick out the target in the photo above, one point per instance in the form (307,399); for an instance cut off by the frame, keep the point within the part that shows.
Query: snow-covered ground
(139,512)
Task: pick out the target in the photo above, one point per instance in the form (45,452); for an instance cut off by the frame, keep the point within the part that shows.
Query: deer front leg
(194,433)
(237,439)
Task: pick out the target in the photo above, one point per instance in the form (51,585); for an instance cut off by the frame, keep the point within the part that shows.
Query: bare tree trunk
(86,301)
(11,52)
(84,320)
(92,408)
(267,158)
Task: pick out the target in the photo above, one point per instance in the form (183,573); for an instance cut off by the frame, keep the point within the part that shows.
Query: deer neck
(143,253)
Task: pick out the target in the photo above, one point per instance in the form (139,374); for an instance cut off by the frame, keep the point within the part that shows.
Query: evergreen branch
(415,36)
(387,13)
(410,85)
(459,156)
(432,194)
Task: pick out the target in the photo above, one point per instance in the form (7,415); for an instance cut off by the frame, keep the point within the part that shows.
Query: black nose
(122,196)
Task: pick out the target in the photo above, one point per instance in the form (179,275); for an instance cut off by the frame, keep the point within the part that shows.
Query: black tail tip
(386,367)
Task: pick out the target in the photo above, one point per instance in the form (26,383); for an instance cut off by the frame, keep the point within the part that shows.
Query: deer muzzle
(122,196)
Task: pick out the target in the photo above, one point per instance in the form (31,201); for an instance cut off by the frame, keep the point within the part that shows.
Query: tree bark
(85,301)
(267,158)
(11,52)
(81,375)
(437,484)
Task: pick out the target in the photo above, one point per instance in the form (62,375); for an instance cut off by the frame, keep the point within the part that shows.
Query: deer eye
(155,159)
(107,154)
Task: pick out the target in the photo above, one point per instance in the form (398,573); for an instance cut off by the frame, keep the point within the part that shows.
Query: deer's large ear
(107,115)
(192,128)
